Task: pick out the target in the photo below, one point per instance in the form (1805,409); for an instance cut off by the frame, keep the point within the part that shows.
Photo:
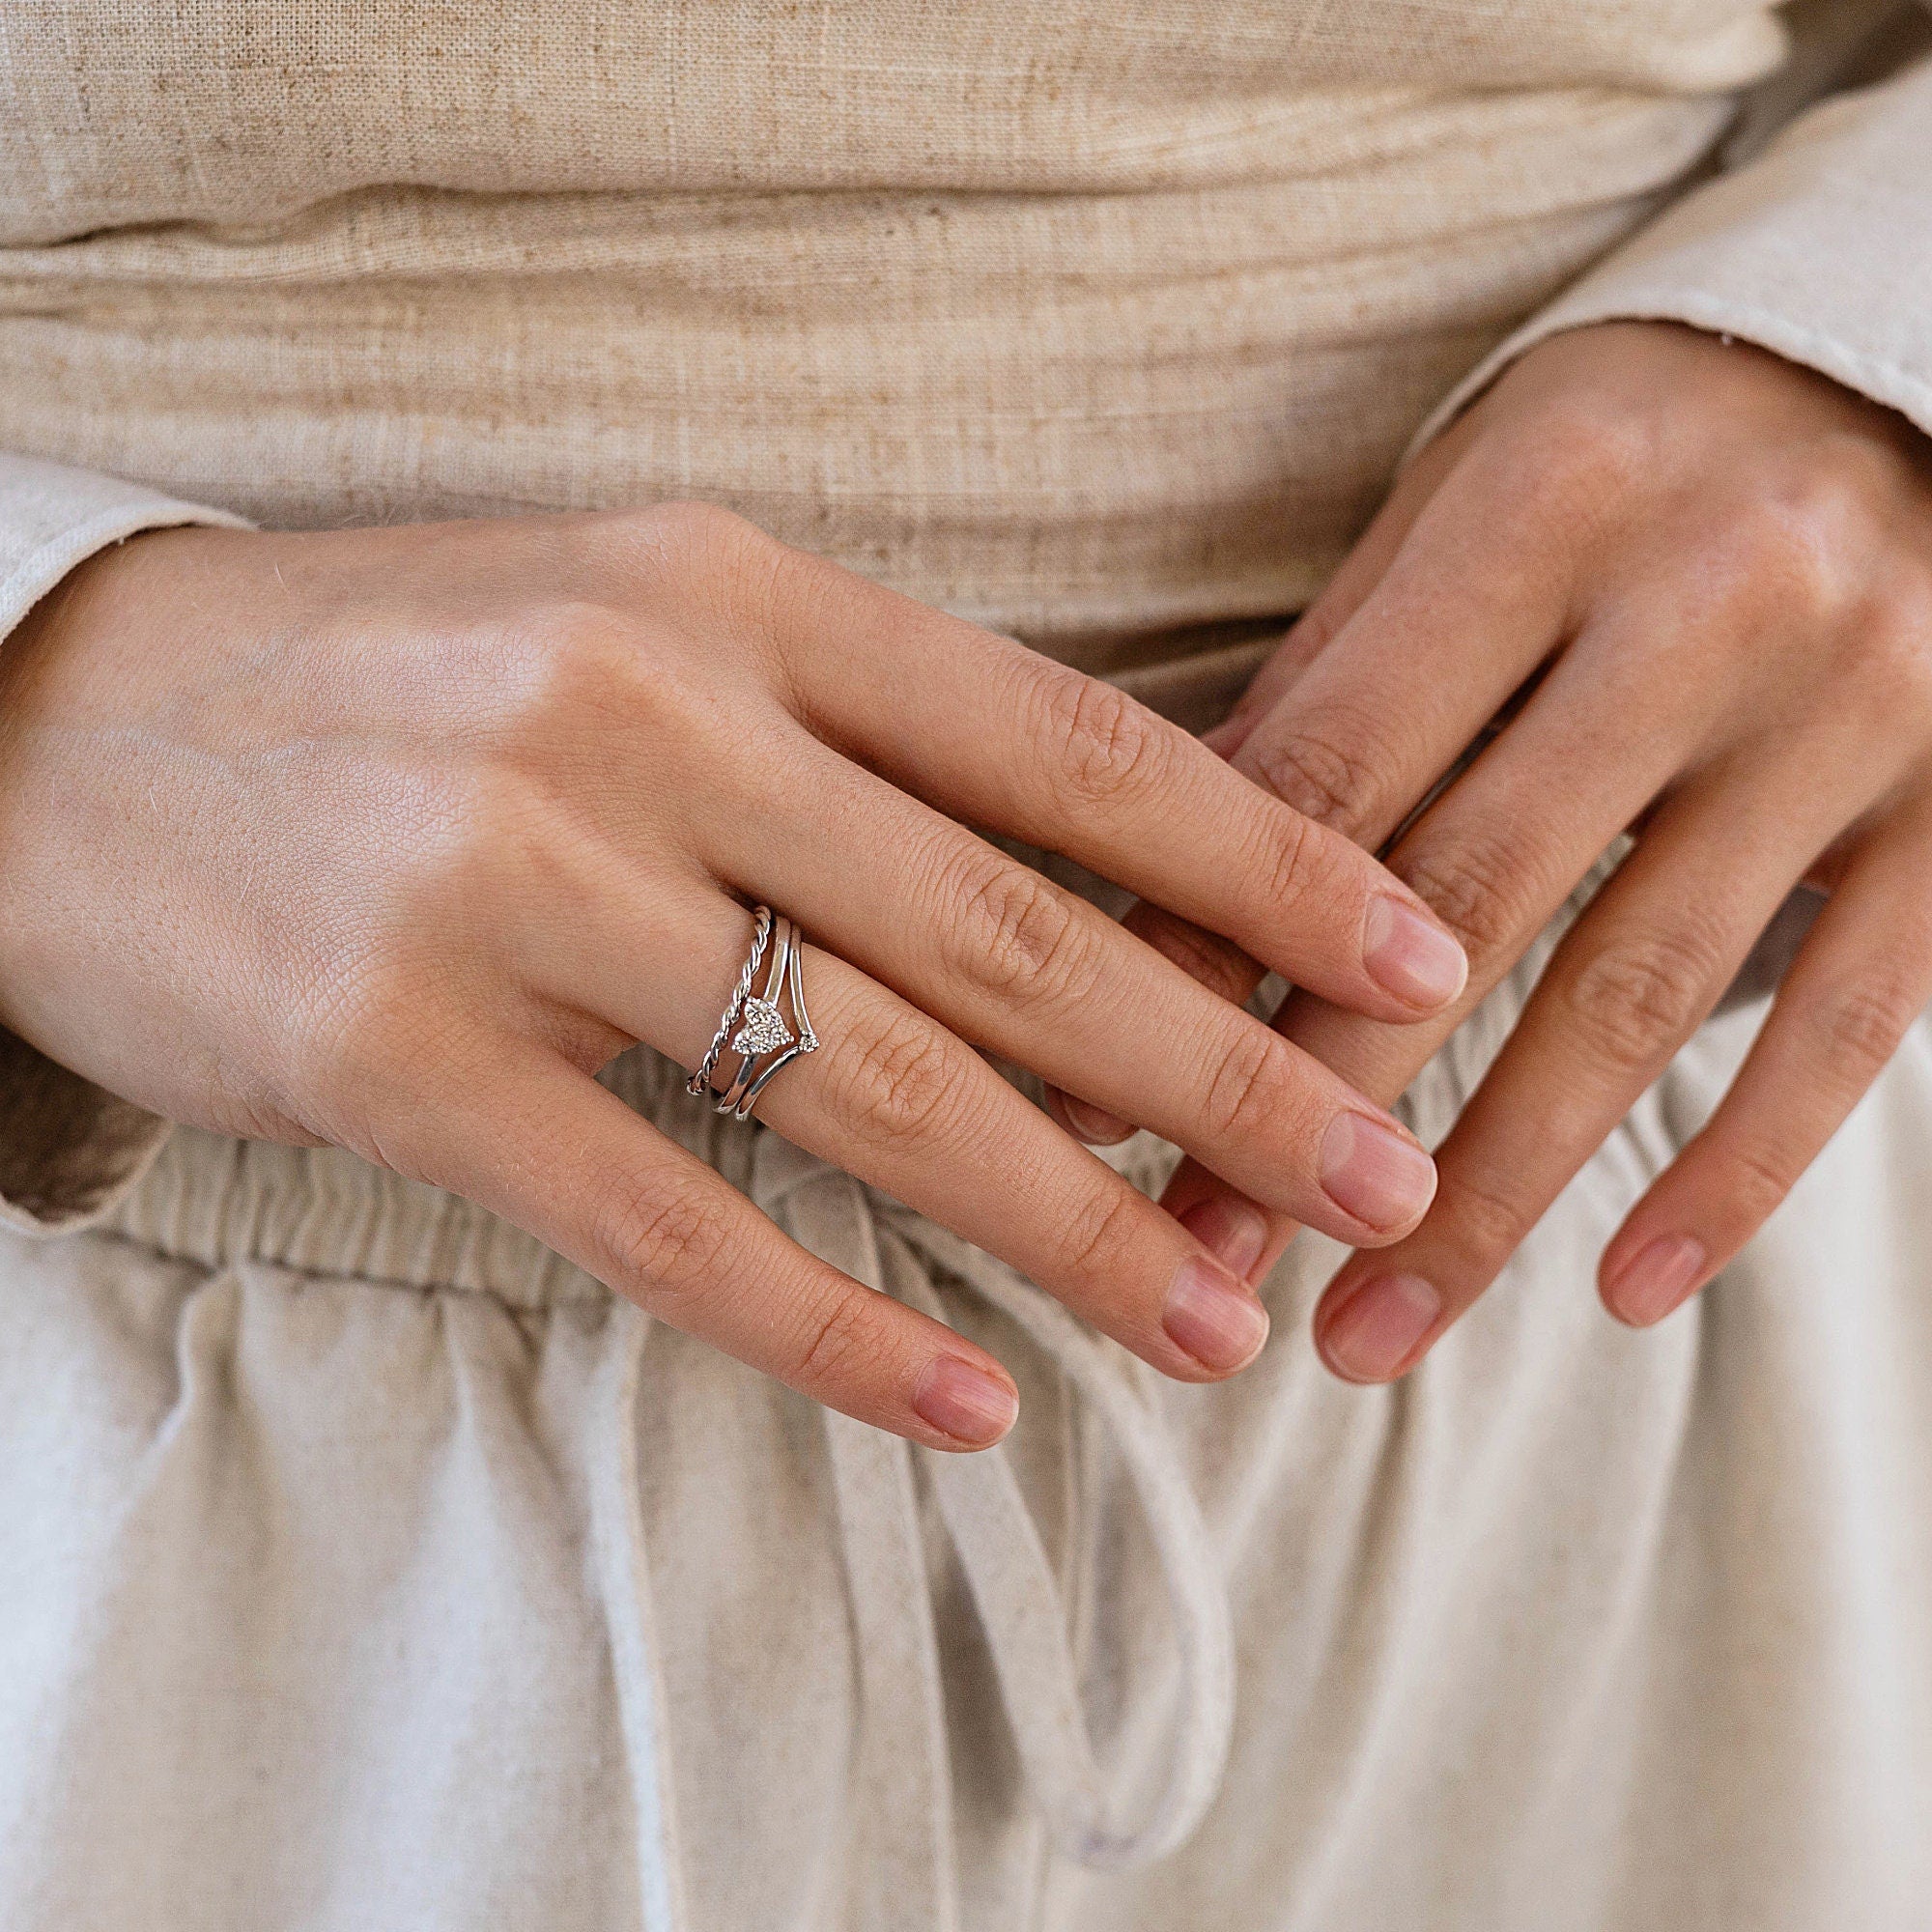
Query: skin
(1694,585)
(390,838)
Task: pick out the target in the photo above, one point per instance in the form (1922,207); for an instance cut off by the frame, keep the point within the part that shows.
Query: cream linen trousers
(367,1566)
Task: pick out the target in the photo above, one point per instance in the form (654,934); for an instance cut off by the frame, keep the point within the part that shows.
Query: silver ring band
(754,1025)
(701,1082)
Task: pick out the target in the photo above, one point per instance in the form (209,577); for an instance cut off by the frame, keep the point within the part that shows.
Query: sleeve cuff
(1819,250)
(69,1149)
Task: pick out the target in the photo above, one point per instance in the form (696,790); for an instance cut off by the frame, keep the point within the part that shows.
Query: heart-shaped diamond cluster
(762,1029)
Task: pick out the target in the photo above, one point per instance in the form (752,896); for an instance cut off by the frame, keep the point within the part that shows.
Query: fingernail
(1213,1319)
(1094,1125)
(1234,1231)
(1655,1279)
(1411,955)
(963,1401)
(1377,1328)
(1374,1174)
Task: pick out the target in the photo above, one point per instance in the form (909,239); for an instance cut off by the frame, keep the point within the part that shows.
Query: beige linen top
(1088,327)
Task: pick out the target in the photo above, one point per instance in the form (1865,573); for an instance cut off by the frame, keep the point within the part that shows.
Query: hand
(1697,579)
(390,839)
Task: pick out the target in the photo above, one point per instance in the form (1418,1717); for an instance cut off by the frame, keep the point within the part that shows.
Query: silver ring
(754,1025)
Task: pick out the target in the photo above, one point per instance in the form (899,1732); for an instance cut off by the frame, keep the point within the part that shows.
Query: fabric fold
(624,1575)
(1819,249)
(1019,1601)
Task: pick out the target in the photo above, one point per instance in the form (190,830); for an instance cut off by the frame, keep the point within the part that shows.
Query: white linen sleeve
(1818,248)
(69,1149)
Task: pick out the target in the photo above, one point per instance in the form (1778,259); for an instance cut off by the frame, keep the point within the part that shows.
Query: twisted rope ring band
(754,1024)
(700,1081)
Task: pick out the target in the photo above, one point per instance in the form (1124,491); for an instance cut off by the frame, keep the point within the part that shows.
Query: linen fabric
(367,1565)
(1071,325)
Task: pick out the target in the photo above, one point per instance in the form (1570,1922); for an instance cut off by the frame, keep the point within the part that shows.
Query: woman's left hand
(1699,580)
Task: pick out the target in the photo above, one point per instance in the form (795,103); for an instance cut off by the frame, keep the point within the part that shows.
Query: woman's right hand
(390,839)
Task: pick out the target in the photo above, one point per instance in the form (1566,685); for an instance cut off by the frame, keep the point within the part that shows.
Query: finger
(1341,597)
(1501,850)
(1215,963)
(1477,592)
(1862,978)
(1626,986)
(1007,738)
(1088,1124)
(891,1096)
(1480,593)
(533,1139)
(1008,960)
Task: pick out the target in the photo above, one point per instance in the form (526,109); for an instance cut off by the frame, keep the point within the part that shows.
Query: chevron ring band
(756,1026)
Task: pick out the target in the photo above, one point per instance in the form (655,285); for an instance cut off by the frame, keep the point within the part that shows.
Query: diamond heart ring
(754,1025)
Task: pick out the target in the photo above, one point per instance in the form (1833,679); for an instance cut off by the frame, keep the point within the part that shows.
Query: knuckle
(1016,933)
(667,1239)
(1796,548)
(586,671)
(1891,666)
(1251,1088)
(521,686)
(1326,775)
(494,824)
(1293,862)
(1862,1023)
(563,633)
(897,1078)
(1216,963)
(1640,996)
(1782,547)
(684,534)
(1100,1235)
(1589,448)
(1760,1176)
(838,1344)
(586,662)
(706,559)
(1488,1221)
(1107,746)
(1477,886)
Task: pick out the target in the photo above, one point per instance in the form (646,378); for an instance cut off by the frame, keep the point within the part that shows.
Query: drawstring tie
(902,1774)
(624,1581)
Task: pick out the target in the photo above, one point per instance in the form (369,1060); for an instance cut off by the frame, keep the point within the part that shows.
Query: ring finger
(1008,960)
(893,1098)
